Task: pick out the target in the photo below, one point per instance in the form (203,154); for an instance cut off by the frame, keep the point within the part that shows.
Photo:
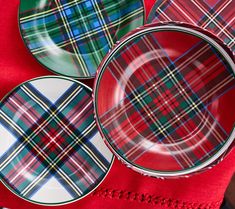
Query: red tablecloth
(123,188)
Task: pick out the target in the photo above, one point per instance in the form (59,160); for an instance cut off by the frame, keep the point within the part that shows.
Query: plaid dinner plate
(159,100)
(71,37)
(50,150)
(216,16)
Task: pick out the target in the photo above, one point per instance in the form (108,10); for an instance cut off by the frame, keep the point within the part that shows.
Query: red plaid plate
(50,149)
(216,16)
(159,98)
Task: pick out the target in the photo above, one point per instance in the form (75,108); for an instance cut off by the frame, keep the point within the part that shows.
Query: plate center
(164,102)
(53,139)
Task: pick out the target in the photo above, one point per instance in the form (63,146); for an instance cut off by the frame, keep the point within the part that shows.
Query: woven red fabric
(123,188)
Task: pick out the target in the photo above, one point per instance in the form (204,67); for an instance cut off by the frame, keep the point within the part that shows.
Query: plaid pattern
(77,34)
(215,16)
(165,101)
(53,139)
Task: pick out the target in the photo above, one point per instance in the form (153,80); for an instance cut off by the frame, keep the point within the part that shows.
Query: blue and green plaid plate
(71,37)
(50,150)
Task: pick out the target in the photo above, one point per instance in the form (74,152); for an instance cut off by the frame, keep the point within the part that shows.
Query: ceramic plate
(216,16)
(159,100)
(71,37)
(50,149)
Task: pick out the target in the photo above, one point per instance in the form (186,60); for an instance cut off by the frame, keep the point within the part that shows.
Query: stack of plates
(158,99)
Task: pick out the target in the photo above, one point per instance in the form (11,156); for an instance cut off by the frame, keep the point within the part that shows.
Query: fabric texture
(123,188)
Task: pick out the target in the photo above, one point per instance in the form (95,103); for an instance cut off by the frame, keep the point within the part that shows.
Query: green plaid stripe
(76,34)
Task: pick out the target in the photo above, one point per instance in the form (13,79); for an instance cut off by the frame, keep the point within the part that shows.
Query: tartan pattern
(52,140)
(214,16)
(82,31)
(165,100)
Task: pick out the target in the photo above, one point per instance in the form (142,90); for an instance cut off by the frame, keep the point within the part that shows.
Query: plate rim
(65,202)
(155,27)
(144,13)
